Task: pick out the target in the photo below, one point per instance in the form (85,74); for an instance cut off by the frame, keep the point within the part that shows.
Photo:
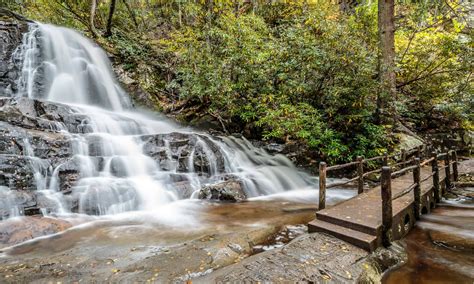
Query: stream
(440,248)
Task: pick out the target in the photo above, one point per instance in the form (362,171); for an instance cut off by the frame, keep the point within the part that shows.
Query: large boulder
(230,190)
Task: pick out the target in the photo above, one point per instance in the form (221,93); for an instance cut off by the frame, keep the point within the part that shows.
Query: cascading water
(128,161)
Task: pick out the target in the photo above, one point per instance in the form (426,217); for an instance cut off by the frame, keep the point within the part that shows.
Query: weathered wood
(372,172)
(386,205)
(338,167)
(404,192)
(402,163)
(455,166)
(435,170)
(426,162)
(442,156)
(417,189)
(360,174)
(385,160)
(404,170)
(322,186)
(373,159)
(426,178)
(403,155)
(419,150)
(447,179)
(341,183)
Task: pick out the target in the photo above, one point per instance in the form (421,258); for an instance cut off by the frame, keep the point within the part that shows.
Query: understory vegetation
(286,71)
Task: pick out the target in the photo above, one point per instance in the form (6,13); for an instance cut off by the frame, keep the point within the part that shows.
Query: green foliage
(288,70)
(434,60)
(306,77)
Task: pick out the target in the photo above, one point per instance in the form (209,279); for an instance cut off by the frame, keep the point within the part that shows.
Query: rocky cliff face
(12,28)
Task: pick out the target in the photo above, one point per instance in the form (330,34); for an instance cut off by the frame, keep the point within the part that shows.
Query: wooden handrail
(404,192)
(402,163)
(425,162)
(342,183)
(416,186)
(404,170)
(338,167)
(427,178)
(372,172)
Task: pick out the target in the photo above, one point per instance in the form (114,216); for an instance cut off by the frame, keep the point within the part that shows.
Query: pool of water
(440,248)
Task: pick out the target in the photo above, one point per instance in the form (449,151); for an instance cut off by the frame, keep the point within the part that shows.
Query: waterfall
(128,161)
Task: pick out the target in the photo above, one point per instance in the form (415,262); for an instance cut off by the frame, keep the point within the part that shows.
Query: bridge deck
(363,213)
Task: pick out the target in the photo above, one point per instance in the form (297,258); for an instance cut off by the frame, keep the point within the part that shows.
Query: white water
(116,175)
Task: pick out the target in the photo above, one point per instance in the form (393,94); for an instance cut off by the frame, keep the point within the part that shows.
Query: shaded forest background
(303,72)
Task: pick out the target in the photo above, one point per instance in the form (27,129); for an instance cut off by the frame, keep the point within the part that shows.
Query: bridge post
(417,189)
(322,186)
(385,160)
(404,155)
(386,186)
(455,166)
(419,151)
(447,179)
(435,170)
(360,174)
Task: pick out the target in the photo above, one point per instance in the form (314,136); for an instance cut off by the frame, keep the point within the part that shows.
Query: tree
(386,31)
(92,16)
(108,31)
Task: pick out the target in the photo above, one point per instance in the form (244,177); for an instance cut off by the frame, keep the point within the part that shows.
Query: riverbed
(440,248)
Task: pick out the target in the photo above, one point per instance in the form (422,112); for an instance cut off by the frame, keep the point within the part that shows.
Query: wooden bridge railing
(398,159)
(450,159)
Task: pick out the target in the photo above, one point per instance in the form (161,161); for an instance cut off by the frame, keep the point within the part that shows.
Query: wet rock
(42,116)
(15,202)
(230,190)
(16,231)
(44,145)
(15,172)
(12,28)
(455,241)
(184,189)
(101,199)
(184,152)
(408,142)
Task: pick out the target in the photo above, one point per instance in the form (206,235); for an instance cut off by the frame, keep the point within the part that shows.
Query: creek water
(440,248)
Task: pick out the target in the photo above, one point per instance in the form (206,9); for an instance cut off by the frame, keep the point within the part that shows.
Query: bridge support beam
(322,186)
(360,174)
(447,179)
(455,165)
(417,189)
(386,205)
(385,160)
(435,170)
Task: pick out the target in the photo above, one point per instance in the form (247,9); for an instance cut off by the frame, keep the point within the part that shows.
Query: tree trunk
(108,30)
(92,16)
(131,12)
(386,29)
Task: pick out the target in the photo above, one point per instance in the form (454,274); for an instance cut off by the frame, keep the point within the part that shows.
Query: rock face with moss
(12,28)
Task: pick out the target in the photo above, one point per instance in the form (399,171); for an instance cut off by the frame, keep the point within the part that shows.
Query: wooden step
(320,215)
(357,238)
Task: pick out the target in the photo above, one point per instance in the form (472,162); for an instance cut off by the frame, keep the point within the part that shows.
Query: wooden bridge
(408,188)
